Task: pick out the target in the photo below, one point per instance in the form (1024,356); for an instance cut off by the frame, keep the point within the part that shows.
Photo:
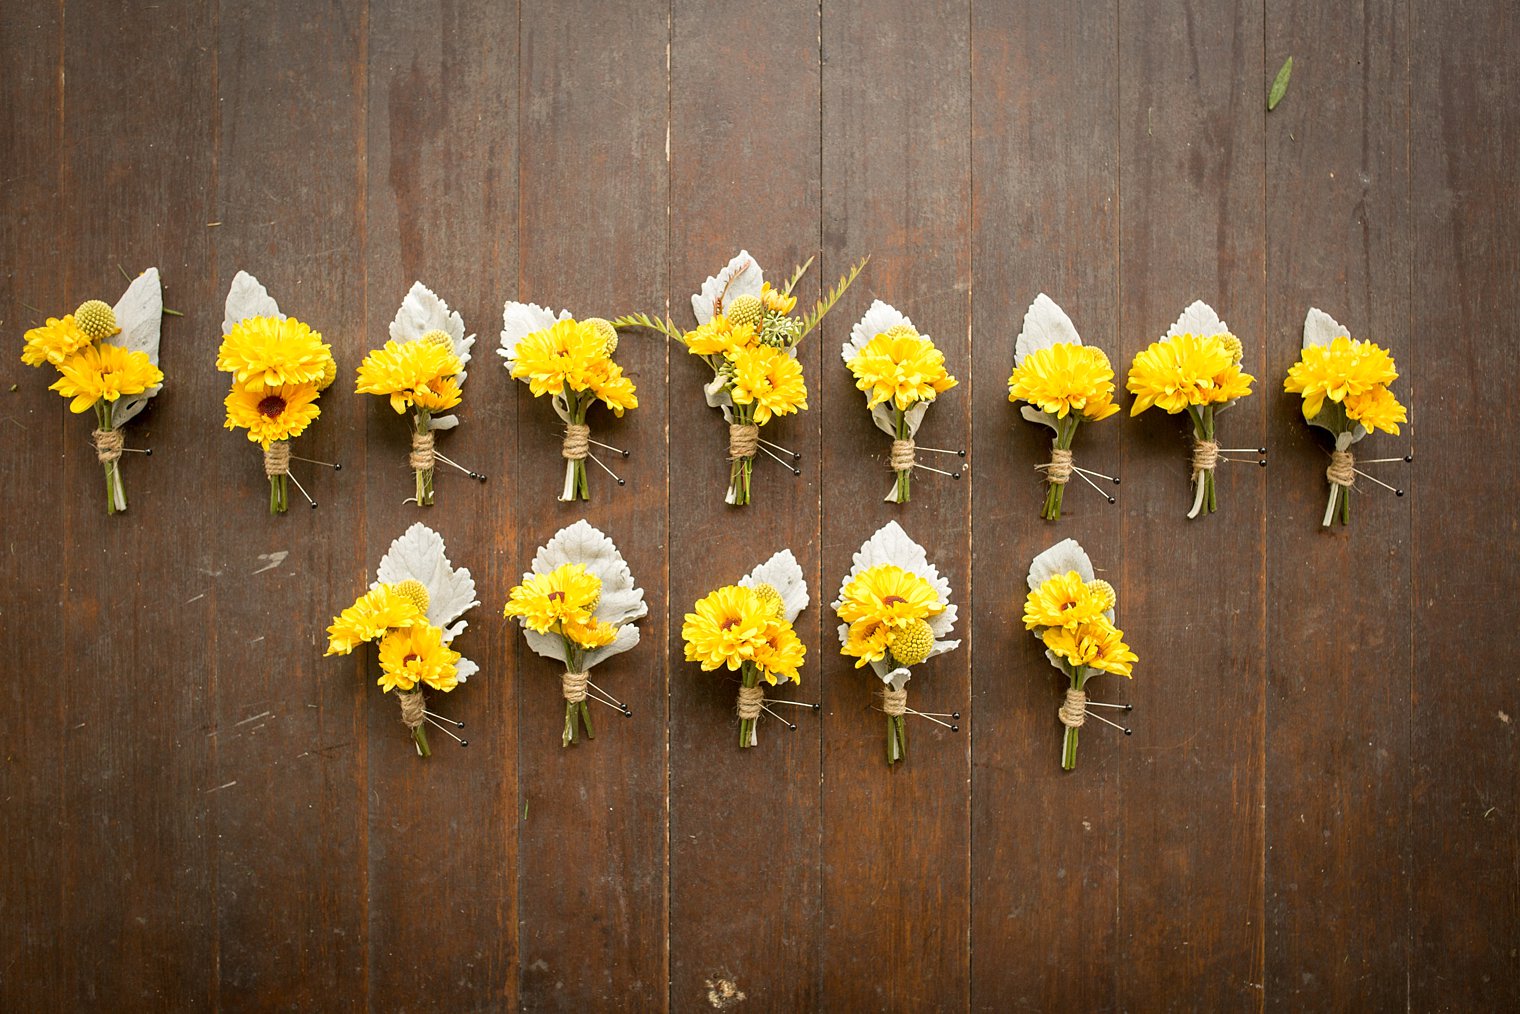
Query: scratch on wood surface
(196,599)
(272,560)
(221,787)
(254,718)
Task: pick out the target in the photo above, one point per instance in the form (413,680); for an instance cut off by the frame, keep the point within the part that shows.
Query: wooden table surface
(1318,807)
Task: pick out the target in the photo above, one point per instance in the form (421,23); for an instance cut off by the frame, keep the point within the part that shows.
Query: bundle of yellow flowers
(1072,613)
(901,373)
(421,371)
(115,378)
(1062,383)
(412,612)
(279,368)
(748,337)
(896,613)
(747,627)
(1344,385)
(577,606)
(1196,368)
(571,361)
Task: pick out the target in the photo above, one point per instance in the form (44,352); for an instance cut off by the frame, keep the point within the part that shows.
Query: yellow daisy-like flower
(567,594)
(412,373)
(612,387)
(378,610)
(272,413)
(1342,369)
(726,628)
(878,602)
(1376,409)
(1097,644)
(560,358)
(720,337)
(417,654)
(1066,378)
(903,368)
(780,653)
(591,634)
(1065,600)
(775,300)
(273,352)
(1183,371)
(54,342)
(104,373)
(770,380)
(868,642)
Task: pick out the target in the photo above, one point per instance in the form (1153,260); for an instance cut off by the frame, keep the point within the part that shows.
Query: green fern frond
(797,274)
(666,327)
(824,305)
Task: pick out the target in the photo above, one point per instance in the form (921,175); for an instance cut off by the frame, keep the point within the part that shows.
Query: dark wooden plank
(1338,734)
(1464,140)
(33,498)
(441,202)
(1191,793)
(1045,842)
(289,804)
(897,184)
(744,824)
(592,872)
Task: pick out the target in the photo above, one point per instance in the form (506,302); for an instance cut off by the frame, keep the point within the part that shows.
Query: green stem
(905,477)
(1055,494)
(748,676)
(423,424)
(1069,742)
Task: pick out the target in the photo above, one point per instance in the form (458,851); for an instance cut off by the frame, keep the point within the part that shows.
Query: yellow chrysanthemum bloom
(104,373)
(1339,370)
(775,300)
(417,654)
(1065,600)
(272,413)
(54,342)
(1185,370)
(567,594)
(612,387)
(1066,378)
(591,634)
(780,653)
(867,642)
(720,337)
(878,602)
(272,352)
(901,367)
(378,610)
(770,380)
(1096,645)
(1376,409)
(726,628)
(407,373)
(559,358)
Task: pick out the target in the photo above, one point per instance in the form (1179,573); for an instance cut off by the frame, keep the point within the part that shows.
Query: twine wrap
(1073,710)
(1058,472)
(1205,456)
(108,444)
(577,443)
(902,455)
(277,458)
(573,685)
(1342,470)
(411,708)
(895,702)
(421,458)
(743,440)
(749,702)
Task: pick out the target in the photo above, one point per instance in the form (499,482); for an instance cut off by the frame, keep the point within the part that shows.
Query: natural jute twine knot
(108,444)
(421,458)
(411,708)
(743,440)
(749,702)
(277,458)
(902,455)
(1058,472)
(894,702)
(573,685)
(1205,456)
(1073,711)
(577,442)
(1342,470)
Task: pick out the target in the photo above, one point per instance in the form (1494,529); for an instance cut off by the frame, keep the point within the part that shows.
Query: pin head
(1409,457)
(955,475)
(1398,492)
(1262,462)
(1112,500)
(622,483)
(337,466)
(625,454)
(961,452)
(1127,732)
(313,505)
(956,715)
(148,451)
(955,728)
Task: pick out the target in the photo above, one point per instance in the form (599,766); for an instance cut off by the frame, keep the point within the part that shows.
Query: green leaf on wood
(824,305)
(665,327)
(1280,85)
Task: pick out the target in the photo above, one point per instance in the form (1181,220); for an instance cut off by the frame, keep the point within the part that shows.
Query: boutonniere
(1344,384)
(577,606)
(107,360)
(747,627)
(1195,368)
(413,612)
(896,614)
(747,335)
(279,368)
(422,370)
(1072,613)
(901,373)
(1063,383)
(571,361)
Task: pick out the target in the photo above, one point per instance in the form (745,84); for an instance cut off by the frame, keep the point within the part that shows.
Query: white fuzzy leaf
(878,318)
(422,311)
(247,298)
(550,646)
(518,320)
(1066,555)
(464,669)
(140,315)
(783,573)
(1321,329)
(627,637)
(1045,324)
(419,555)
(621,601)
(1034,415)
(740,277)
(1199,319)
